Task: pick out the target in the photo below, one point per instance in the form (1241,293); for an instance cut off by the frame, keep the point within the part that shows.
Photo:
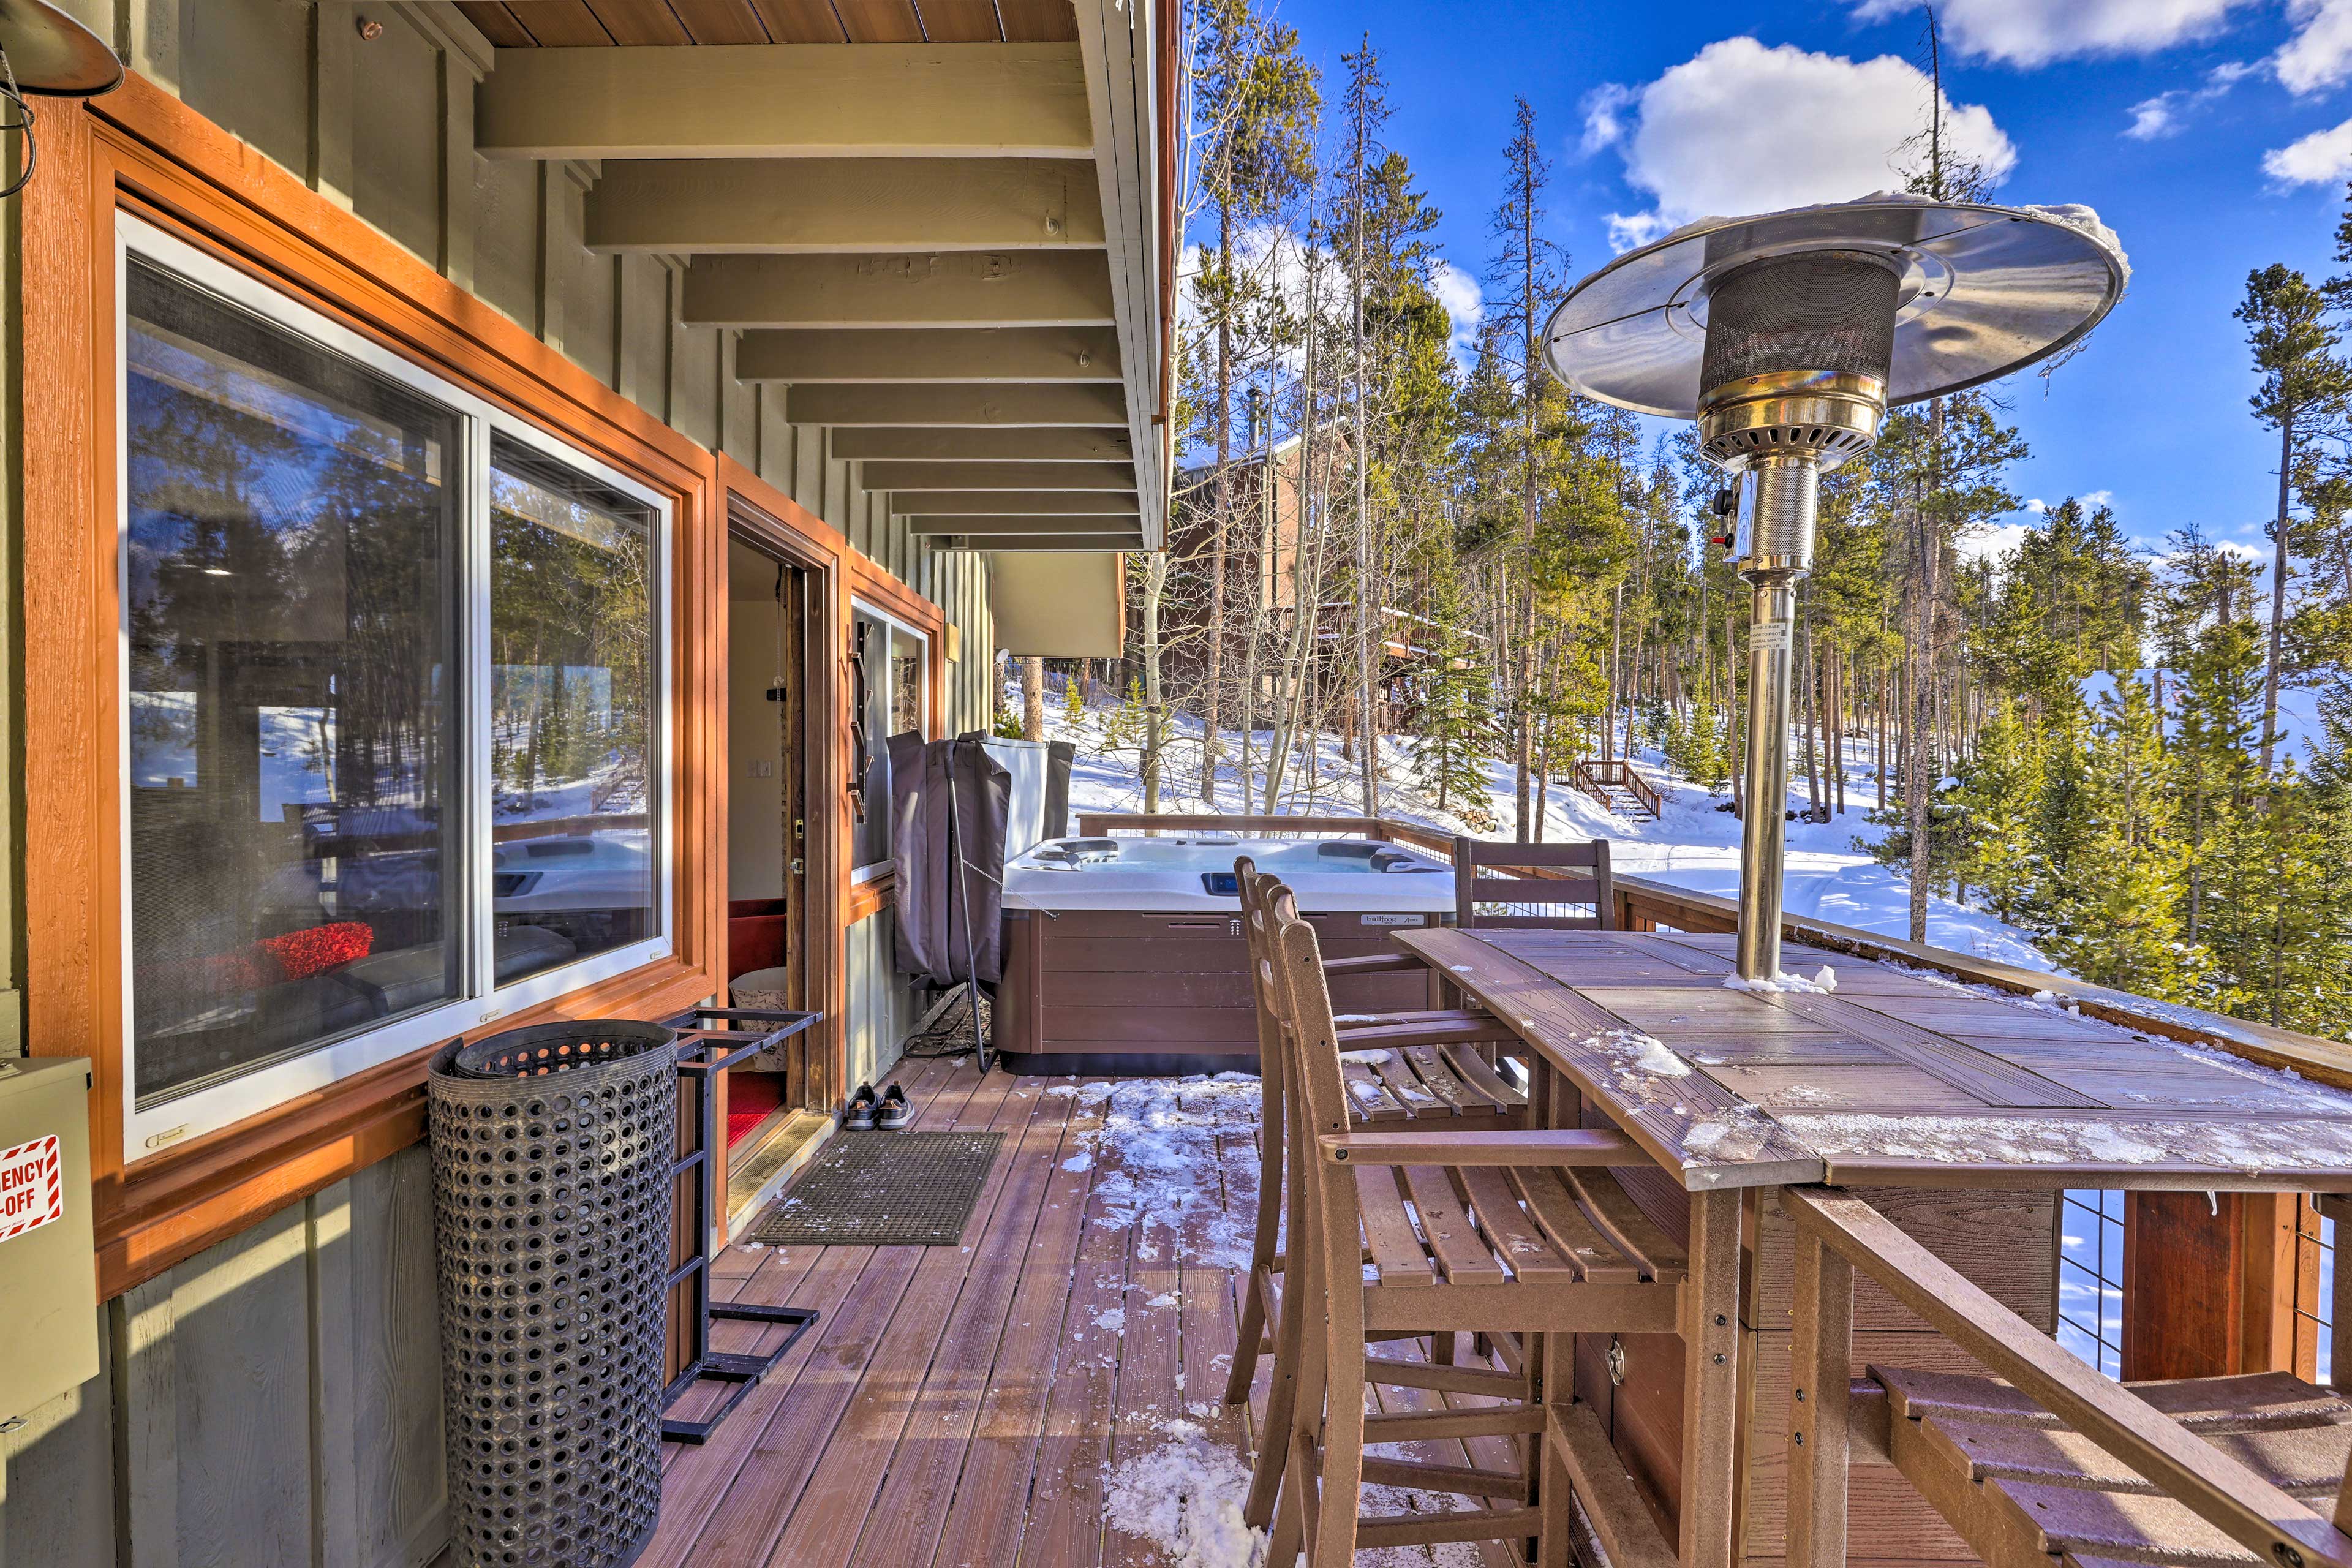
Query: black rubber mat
(884,1189)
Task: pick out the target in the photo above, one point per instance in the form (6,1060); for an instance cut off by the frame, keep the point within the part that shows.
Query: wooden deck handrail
(2217,1486)
(1646,905)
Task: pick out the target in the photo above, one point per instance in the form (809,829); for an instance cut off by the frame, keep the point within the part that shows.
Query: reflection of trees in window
(571,639)
(288,516)
(289,592)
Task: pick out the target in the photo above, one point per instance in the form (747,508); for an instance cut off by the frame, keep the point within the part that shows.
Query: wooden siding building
(780,333)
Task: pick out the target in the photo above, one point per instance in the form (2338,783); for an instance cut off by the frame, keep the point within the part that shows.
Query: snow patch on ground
(1158,1164)
(1185,1497)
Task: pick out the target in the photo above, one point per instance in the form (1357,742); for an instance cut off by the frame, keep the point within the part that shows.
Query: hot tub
(1127,955)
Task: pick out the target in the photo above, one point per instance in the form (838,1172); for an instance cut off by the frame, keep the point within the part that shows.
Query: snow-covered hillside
(1692,845)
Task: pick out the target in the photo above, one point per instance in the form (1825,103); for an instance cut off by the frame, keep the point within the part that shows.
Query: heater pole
(1777,507)
(1763,826)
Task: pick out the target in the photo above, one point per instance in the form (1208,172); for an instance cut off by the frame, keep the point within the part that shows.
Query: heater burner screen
(1822,311)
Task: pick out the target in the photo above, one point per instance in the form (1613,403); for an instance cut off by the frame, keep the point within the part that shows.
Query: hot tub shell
(1132,964)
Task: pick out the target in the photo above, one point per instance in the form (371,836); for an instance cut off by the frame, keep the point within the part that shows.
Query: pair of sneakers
(888,1112)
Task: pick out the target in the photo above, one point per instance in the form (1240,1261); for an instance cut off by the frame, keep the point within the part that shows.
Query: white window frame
(180,1115)
(859,875)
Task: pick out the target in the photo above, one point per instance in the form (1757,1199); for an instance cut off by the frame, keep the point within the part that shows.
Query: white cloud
(2156,117)
(2321,158)
(2320,54)
(1464,306)
(1604,115)
(2035,32)
(2166,113)
(1836,125)
(2037,506)
(1631,231)
(1992,542)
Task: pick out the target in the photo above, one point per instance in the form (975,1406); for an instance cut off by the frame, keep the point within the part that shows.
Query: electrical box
(48,1280)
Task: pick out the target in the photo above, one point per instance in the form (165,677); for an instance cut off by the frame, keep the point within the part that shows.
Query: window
(2091,1278)
(893,659)
(394,750)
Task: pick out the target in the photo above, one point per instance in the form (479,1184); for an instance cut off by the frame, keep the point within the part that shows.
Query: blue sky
(2154,413)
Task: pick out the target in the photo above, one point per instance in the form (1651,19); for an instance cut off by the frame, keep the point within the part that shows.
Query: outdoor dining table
(1866,1075)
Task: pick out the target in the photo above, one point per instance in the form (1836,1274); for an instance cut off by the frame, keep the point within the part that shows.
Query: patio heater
(1787,337)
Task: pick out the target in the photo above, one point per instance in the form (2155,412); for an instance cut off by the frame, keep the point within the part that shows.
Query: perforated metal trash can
(552,1154)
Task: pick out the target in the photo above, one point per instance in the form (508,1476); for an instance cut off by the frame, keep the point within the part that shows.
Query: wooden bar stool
(1434,1230)
(1426,1070)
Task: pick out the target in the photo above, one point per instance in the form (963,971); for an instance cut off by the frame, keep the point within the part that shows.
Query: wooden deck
(967,1407)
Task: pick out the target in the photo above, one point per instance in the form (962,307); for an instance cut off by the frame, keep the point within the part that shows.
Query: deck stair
(1614,784)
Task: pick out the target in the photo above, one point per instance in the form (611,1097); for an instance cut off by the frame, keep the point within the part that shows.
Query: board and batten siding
(275,1401)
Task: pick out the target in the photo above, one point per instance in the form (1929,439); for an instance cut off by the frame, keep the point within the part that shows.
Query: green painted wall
(275,1400)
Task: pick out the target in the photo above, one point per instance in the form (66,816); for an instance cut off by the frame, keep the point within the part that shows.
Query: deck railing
(2053,1404)
(1646,905)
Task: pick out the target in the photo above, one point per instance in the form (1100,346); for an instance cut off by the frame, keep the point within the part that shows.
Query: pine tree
(2304,385)
(2119,922)
(1999,786)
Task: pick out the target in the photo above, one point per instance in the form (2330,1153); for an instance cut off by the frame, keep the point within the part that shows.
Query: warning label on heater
(1771,635)
(32,1186)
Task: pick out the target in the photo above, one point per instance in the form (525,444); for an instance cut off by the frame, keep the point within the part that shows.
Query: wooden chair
(2049,1463)
(1578,874)
(1439,1232)
(1426,1070)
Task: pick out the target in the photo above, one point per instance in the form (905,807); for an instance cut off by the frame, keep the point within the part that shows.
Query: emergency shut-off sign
(32,1186)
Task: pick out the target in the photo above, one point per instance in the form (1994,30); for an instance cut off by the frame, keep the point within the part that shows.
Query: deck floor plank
(904,1523)
(1150,1321)
(839,1496)
(964,1407)
(750,1514)
(983,1523)
(1065,1525)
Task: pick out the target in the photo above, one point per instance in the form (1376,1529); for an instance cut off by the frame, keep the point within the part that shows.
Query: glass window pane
(573,755)
(905,683)
(288,576)
(892,661)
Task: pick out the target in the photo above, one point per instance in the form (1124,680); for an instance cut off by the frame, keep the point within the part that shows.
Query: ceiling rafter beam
(916,479)
(980,405)
(852,356)
(787,101)
(950,289)
(1036,444)
(938,504)
(844,205)
(968,540)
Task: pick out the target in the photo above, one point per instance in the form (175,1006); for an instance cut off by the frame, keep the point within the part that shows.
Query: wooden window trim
(145,150)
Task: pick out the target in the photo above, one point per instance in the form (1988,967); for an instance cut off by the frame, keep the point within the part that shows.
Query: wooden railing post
(1821,1362)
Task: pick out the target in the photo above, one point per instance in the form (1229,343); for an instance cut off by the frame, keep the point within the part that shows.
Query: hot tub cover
(948,804)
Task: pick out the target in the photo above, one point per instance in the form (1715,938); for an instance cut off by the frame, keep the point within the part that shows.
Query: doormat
(884,1189)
